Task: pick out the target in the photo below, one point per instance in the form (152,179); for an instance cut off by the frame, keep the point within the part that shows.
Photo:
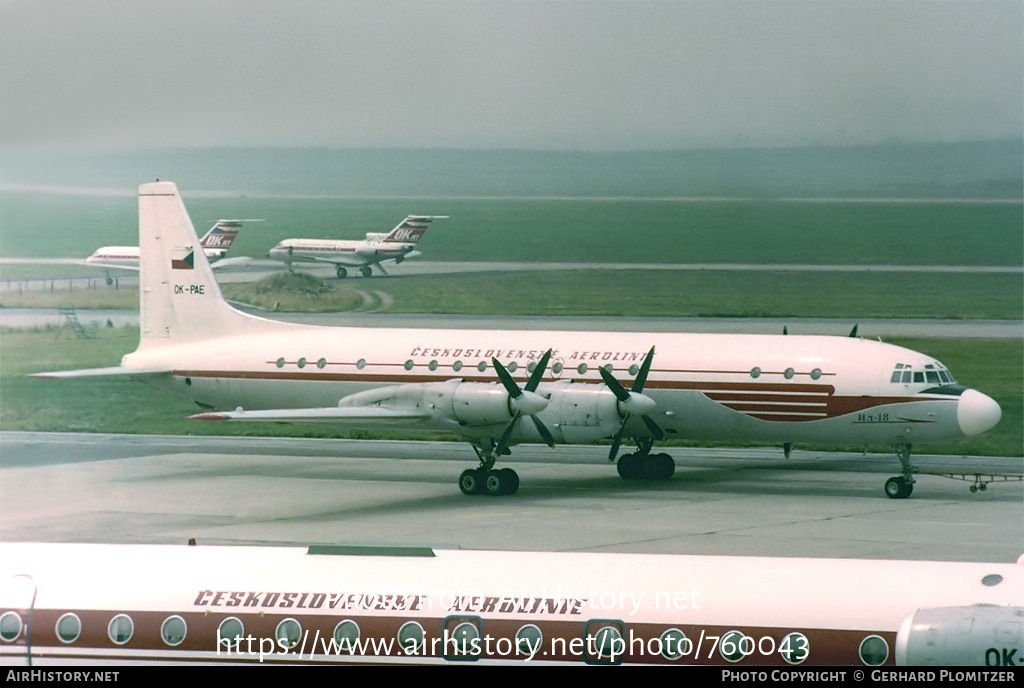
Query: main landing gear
(900,486)
(643,465)
(489,481)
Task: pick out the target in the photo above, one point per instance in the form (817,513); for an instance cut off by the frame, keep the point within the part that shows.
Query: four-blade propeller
(632,403)
(524,402)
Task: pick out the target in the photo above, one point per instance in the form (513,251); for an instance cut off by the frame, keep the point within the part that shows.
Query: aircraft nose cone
(976,413)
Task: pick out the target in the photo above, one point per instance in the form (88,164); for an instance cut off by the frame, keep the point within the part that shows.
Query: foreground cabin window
(411,636)
(288,633)
(120,629)
(795,648)
(173,630)
(346,635)
(229,633)
(10,626)
(731,646)
(528,640)
(675,644)
(464,641)
(873,650)
(69,627)
(604,642)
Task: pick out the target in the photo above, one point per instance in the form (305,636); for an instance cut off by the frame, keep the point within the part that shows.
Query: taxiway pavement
(81,487)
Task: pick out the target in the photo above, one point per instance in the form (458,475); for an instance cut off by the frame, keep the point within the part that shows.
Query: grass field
(586,230)
(910,204)
(645,293)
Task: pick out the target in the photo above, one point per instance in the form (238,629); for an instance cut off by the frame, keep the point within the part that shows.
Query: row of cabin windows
(556,368)
(465,636)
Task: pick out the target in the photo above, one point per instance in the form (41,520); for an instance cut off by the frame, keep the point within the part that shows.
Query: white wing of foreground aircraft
(216,243)
(378,247)
(496,389)
(172,604)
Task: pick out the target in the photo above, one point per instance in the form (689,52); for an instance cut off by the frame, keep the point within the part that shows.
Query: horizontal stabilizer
(354,417)
(112,371)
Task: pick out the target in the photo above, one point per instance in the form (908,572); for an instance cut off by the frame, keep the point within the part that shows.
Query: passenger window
(120,629)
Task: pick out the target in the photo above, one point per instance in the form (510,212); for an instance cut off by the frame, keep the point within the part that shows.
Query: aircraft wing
(349,261)
(112,371)
(356,417)
(228,263)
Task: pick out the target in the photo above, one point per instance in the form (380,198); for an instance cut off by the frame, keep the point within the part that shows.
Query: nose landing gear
(901,486)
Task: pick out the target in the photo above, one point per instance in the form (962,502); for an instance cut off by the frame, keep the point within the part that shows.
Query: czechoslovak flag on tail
(185,263)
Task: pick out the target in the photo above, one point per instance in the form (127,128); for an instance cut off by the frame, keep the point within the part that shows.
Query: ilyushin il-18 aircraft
(171,604)
(378,247)
(497,389)
(216,243)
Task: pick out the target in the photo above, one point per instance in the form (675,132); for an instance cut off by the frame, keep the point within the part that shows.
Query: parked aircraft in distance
(73,603)
(496,389)
(399,244)
(216,243)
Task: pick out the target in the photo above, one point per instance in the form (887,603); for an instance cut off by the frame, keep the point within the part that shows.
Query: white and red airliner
(500,388)
(378,247)
(216,243)
(87,604)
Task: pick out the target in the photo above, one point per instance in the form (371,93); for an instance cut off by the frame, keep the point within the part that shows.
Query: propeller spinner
(524,401)
(632,403)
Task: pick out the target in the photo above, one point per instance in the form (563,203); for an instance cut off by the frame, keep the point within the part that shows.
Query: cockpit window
(932,373)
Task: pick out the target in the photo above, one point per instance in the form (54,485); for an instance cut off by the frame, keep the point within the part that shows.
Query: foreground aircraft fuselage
(572,387)
(107,604)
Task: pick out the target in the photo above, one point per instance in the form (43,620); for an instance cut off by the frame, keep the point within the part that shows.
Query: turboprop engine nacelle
(979,635)
(573,412)
(467,403)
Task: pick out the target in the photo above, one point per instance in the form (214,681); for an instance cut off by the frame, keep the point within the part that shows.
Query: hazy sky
(588,75)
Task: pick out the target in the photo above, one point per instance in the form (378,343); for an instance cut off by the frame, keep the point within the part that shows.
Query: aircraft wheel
(898,488)
(470,482)
(110,281)
(341,272)
(666,466)
(973,488)
(651,467)
(511,479)
(627,467)
(365,271)
(495,484)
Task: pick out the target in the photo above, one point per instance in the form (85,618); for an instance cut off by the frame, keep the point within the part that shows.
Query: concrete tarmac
(58,487)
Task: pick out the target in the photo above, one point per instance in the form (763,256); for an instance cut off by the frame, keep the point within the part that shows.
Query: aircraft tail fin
(179,298)
(221,235)
(411,229)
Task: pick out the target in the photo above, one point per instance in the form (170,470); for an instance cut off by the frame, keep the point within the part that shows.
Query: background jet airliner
(496,389)
(378,247)
(160,604)
(216,243)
